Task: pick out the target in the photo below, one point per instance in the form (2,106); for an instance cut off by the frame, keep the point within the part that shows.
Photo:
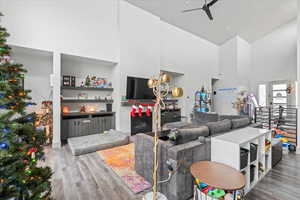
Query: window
(262,95)
(279,94)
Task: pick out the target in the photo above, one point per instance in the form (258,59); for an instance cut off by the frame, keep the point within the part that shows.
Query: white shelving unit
(226,149)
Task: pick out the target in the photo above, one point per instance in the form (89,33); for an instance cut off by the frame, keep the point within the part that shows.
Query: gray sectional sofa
(192,144)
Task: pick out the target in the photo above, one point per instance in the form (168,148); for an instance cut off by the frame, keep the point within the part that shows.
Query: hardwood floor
(281,183)
(86,177)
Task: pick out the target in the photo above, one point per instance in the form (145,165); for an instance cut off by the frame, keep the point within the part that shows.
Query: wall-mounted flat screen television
(137,88)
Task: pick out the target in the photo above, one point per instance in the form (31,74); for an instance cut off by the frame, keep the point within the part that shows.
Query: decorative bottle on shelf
(82,108)
(88,81)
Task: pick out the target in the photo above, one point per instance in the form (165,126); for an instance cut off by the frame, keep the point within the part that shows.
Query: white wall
(228,77)
(185,53)
(243,62)
(139,52)
(274,57)
(235,60)
(85,28)
(39,65)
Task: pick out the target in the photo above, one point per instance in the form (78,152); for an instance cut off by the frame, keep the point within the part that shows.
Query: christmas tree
(22,176)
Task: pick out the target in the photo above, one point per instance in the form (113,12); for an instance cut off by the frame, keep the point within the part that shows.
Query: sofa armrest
(144,155)
(183,156)
(188,153)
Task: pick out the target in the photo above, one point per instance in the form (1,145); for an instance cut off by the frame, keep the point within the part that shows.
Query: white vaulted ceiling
(250,19)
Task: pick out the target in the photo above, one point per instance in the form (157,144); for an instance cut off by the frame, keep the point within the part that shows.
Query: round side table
(219,176)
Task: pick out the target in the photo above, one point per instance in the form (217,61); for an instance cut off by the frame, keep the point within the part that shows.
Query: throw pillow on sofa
(190,134)
(219,127)
(239,123)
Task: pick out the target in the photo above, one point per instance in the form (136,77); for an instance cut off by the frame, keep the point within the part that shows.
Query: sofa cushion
(239,123)
(219,127)
(231,117)
(201,117)
(173,125)
(190,134)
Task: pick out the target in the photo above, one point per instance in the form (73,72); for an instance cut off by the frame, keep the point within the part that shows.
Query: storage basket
(244,158)
(253,152)
(252,173)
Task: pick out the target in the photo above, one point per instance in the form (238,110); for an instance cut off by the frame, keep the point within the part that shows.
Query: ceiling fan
(205,7)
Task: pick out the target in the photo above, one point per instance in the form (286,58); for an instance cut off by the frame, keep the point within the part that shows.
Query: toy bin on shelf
(252,173)
(253,152)
(244,157)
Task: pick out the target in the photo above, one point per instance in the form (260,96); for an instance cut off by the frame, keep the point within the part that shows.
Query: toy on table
(206,190)
(216,193)
(210,191)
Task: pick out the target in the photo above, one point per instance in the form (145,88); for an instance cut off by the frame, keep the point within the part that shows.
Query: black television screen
(137,88)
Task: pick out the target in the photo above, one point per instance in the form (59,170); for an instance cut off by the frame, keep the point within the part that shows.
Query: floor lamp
(161,89)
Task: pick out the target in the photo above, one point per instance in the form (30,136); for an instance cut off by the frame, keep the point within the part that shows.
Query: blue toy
(203,185)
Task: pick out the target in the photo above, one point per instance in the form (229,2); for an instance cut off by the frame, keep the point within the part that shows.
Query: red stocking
(148,111)
(141,108)
(133,111)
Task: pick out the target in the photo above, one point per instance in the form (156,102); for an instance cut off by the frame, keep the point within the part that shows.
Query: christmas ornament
(22,94)
(30,104)
(13,107)
(28,171)
(12,80)
(3,145)
(29,118)
(32,150)
(6,130)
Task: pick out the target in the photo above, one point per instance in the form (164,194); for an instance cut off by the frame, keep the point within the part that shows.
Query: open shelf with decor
(87,101)
(86,88)
(87,96)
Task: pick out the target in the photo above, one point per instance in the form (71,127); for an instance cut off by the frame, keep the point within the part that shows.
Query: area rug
(121,160)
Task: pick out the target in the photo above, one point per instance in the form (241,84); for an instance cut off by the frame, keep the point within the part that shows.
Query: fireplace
(141,124)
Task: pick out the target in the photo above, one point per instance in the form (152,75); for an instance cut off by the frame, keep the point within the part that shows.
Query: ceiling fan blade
(190,10)
(212,3)
(207,11)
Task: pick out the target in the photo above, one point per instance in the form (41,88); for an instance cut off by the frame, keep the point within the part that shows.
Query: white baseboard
(56,145)
(298,150)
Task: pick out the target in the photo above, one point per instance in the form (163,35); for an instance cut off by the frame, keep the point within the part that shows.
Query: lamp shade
(177,92)
(165,78)
(152,83)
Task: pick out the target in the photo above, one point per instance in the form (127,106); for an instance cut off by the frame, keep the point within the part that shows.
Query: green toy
(216,193)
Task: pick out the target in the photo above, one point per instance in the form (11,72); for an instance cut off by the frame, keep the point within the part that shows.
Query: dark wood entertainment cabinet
(81,124)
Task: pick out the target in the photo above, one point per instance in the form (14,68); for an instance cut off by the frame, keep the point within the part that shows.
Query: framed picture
(67,81)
